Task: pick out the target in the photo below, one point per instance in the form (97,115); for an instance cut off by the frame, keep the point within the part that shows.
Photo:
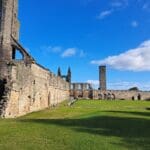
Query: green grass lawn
(87,125)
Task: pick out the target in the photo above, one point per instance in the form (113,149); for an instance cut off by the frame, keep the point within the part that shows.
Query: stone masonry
(25,86)
(102,77)
(79,91)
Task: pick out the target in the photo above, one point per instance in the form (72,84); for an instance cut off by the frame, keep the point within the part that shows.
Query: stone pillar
(102,78)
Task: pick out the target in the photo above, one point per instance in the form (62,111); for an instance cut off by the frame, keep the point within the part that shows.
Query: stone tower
(9,35)
(102,77)
(9,46)
(9,29)
(59,72)
(68,79)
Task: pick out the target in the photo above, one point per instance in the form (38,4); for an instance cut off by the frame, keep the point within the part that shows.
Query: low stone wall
(121,94)
(33,88)
(111,94)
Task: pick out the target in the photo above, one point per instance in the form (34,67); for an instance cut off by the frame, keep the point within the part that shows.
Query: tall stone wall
(33,88)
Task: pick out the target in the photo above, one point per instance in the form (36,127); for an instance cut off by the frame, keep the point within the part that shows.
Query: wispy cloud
(69,52)
(51,49)
(119,3)
(137,59)
(115,6)
(104,14)
(64,53)
(146,6)
(134,24)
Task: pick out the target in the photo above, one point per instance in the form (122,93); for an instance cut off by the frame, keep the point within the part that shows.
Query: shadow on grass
(133,131)
(145,114)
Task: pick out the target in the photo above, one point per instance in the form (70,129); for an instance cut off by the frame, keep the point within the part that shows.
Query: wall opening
(17,54)
(139,97)
(72,87)
(87,87)
(79,87)
(2,88)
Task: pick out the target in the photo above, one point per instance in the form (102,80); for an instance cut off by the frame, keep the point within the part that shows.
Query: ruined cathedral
(26,86)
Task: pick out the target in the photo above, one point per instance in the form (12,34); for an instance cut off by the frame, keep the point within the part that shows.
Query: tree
(134,89)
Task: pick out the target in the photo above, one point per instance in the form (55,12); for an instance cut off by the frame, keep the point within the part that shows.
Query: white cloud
(119,3)
(53,49)
(69,52)
(115,6)
(146,6)
(104,14)
(134,24)
(137,59)
(56,49)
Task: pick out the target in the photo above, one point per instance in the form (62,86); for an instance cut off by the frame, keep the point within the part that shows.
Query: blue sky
(84,34)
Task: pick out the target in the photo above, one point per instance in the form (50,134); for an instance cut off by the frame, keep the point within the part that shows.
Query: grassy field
(87,125)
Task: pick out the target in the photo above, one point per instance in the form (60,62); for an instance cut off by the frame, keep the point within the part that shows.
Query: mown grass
(87,125)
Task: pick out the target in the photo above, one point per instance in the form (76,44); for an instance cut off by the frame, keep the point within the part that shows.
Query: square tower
(102,78)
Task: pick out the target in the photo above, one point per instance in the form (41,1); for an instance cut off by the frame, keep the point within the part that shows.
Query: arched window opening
(87,87)
(133,98)
(139,97)
(17,54)
(79,87)
(72,87)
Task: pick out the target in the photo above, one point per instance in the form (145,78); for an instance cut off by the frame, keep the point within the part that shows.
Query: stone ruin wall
(33,88)
(85,91)
(121,95)
(110,94)
(24,85)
